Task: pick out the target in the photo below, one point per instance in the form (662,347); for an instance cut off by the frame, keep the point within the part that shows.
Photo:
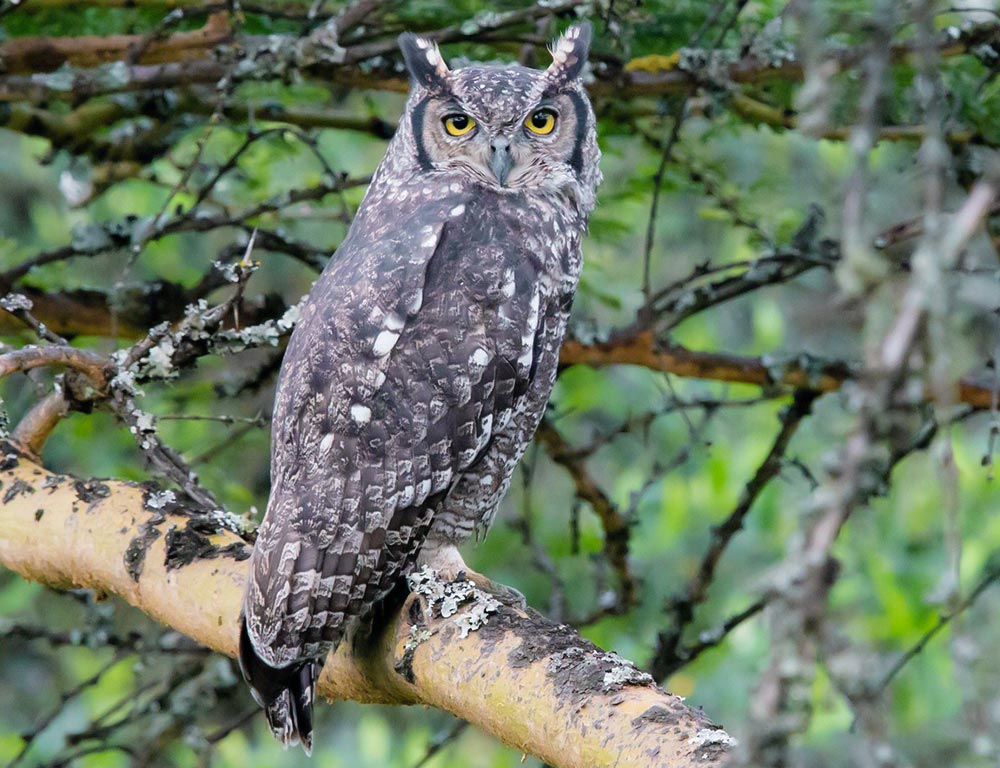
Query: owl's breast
(506,243)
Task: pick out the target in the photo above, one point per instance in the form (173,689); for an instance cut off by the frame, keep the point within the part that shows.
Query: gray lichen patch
(711,744)
(712,736)
(595,671)
(165,500)
(621,673)
(445,599)
(226,520)
(461,603)
(160,499)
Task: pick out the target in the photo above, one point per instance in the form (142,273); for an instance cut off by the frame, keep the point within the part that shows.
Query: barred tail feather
(286,693)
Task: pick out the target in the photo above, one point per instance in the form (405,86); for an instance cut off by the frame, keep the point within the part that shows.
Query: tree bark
(533,684)
(46,53)
(643,350)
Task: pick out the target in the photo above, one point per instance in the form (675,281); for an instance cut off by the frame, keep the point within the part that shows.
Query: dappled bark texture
(535,685)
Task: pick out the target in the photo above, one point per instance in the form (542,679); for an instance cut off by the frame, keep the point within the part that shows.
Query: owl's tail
(286,693)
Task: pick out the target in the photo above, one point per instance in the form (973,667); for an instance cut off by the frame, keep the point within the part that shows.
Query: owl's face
(490,126)
(508,128)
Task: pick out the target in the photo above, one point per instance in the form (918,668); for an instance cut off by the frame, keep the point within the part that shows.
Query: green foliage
(735,191)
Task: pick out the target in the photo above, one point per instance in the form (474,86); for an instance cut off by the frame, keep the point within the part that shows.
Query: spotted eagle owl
(423,358)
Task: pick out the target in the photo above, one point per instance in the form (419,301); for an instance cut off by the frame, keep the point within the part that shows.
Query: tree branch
(89,363)
(641,348)
(533,684)
(315,55)
(615,524)
(25,55)
(669,655)
(37,424)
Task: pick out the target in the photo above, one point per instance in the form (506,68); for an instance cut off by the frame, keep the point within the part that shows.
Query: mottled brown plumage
(424,356)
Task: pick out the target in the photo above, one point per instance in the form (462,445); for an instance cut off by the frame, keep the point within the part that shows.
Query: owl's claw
(447,561)
(506,595)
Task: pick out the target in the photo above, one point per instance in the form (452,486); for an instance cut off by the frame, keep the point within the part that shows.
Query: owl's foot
(506,595)
(447,561)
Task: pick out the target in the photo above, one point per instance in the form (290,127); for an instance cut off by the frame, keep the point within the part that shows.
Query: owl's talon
(506,595)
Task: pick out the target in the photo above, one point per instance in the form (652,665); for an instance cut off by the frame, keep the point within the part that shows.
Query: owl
(423,359)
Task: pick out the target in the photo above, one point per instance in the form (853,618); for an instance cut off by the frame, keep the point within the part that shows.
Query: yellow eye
(458,124)
(541,121)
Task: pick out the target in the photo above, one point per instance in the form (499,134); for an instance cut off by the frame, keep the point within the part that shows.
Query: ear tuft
(423,61)
(569,54)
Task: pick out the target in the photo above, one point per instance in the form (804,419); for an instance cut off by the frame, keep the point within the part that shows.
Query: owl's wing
(408,357)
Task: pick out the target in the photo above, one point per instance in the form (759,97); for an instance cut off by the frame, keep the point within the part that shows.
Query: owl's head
(506,127)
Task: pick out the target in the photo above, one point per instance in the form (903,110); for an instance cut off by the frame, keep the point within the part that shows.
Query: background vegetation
(759,477)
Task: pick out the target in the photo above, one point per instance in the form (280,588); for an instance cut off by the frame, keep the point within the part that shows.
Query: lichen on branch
(532,683)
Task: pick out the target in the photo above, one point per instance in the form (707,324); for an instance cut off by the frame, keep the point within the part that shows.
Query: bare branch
(641,349)
(529,682)
(669,654)
(615,524)
(27,358)
(23,55)
(37,424)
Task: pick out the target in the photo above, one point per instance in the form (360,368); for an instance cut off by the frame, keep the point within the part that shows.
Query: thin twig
(669,656)
(988,579)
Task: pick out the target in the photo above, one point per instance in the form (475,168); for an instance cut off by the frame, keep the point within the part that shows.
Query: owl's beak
(500,159)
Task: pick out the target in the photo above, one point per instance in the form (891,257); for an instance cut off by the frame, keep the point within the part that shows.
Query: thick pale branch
(533,684)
